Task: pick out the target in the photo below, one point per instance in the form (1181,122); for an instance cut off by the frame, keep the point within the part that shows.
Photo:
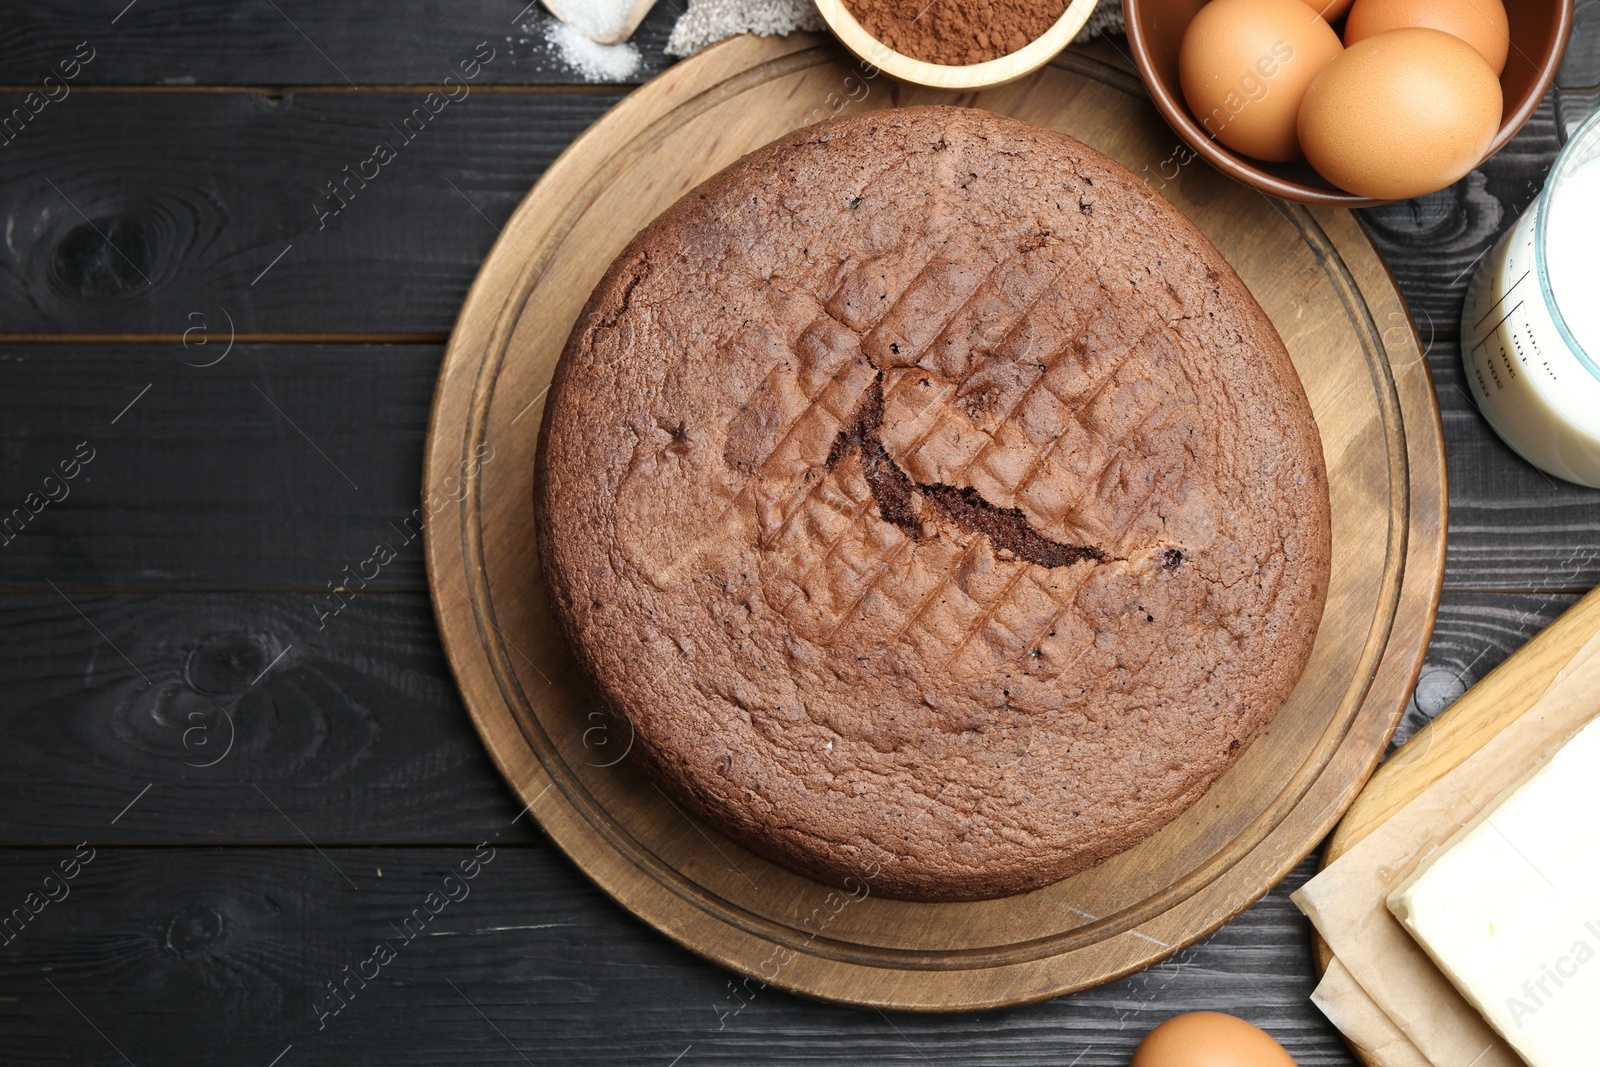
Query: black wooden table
(215,797)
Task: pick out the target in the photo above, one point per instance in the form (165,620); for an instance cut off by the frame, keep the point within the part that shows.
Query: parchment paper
(1346,902)
(1362,1022)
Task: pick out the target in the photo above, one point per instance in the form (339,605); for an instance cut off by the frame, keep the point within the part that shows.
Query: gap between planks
(539,842)
(420,590)
(242,338)
(601,88)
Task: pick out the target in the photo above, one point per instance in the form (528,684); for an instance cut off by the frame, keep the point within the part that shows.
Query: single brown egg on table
(1245,64)
(1480,23)
(1209,1039)
(1402,114)
(1329,9)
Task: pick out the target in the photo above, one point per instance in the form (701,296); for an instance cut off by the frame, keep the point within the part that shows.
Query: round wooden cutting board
(1352,341)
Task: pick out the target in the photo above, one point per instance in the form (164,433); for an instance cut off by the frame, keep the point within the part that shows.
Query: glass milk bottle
(1531,327)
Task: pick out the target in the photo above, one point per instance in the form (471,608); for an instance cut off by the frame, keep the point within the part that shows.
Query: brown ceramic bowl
(1539,32)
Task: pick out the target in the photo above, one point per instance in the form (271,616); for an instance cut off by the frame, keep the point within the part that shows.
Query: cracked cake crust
(933,501)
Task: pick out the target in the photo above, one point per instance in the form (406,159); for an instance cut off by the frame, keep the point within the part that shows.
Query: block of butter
(1509,908)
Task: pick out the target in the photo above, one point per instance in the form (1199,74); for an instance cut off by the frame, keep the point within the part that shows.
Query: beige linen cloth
(1383,991)
(709,21)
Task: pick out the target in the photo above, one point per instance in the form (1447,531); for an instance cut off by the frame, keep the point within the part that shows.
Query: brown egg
(1480,23)
(1209,1039)
(1245,64)
(1329,9)
(1401,114)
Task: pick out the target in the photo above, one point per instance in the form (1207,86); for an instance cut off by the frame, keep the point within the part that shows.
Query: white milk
(1531,327)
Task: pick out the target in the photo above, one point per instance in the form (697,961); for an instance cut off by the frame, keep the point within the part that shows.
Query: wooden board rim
(1424,573)
(1117,923)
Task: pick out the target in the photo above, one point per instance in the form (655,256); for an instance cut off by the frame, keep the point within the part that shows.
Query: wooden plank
(131,212)
(213,956)
(364,706)
(202,191)
(1578,80)
(202,484)
(277,467)
(1580,67)
(1475,633)
(297,42)
(237,717)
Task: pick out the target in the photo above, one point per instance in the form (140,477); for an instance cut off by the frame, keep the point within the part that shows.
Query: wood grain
(1326,291)
(130,212)
(277,467)
(364,705)
(298,42)
(1474,634)
(1580,67)
(220,956)
(220,183)
(243,716)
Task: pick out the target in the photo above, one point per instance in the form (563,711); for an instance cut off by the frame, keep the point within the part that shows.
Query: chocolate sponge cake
(935,502)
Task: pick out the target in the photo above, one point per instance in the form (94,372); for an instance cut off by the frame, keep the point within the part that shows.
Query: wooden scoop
(571,12)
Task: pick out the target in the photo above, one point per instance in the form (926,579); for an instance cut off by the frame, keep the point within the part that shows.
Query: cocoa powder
(956,32)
